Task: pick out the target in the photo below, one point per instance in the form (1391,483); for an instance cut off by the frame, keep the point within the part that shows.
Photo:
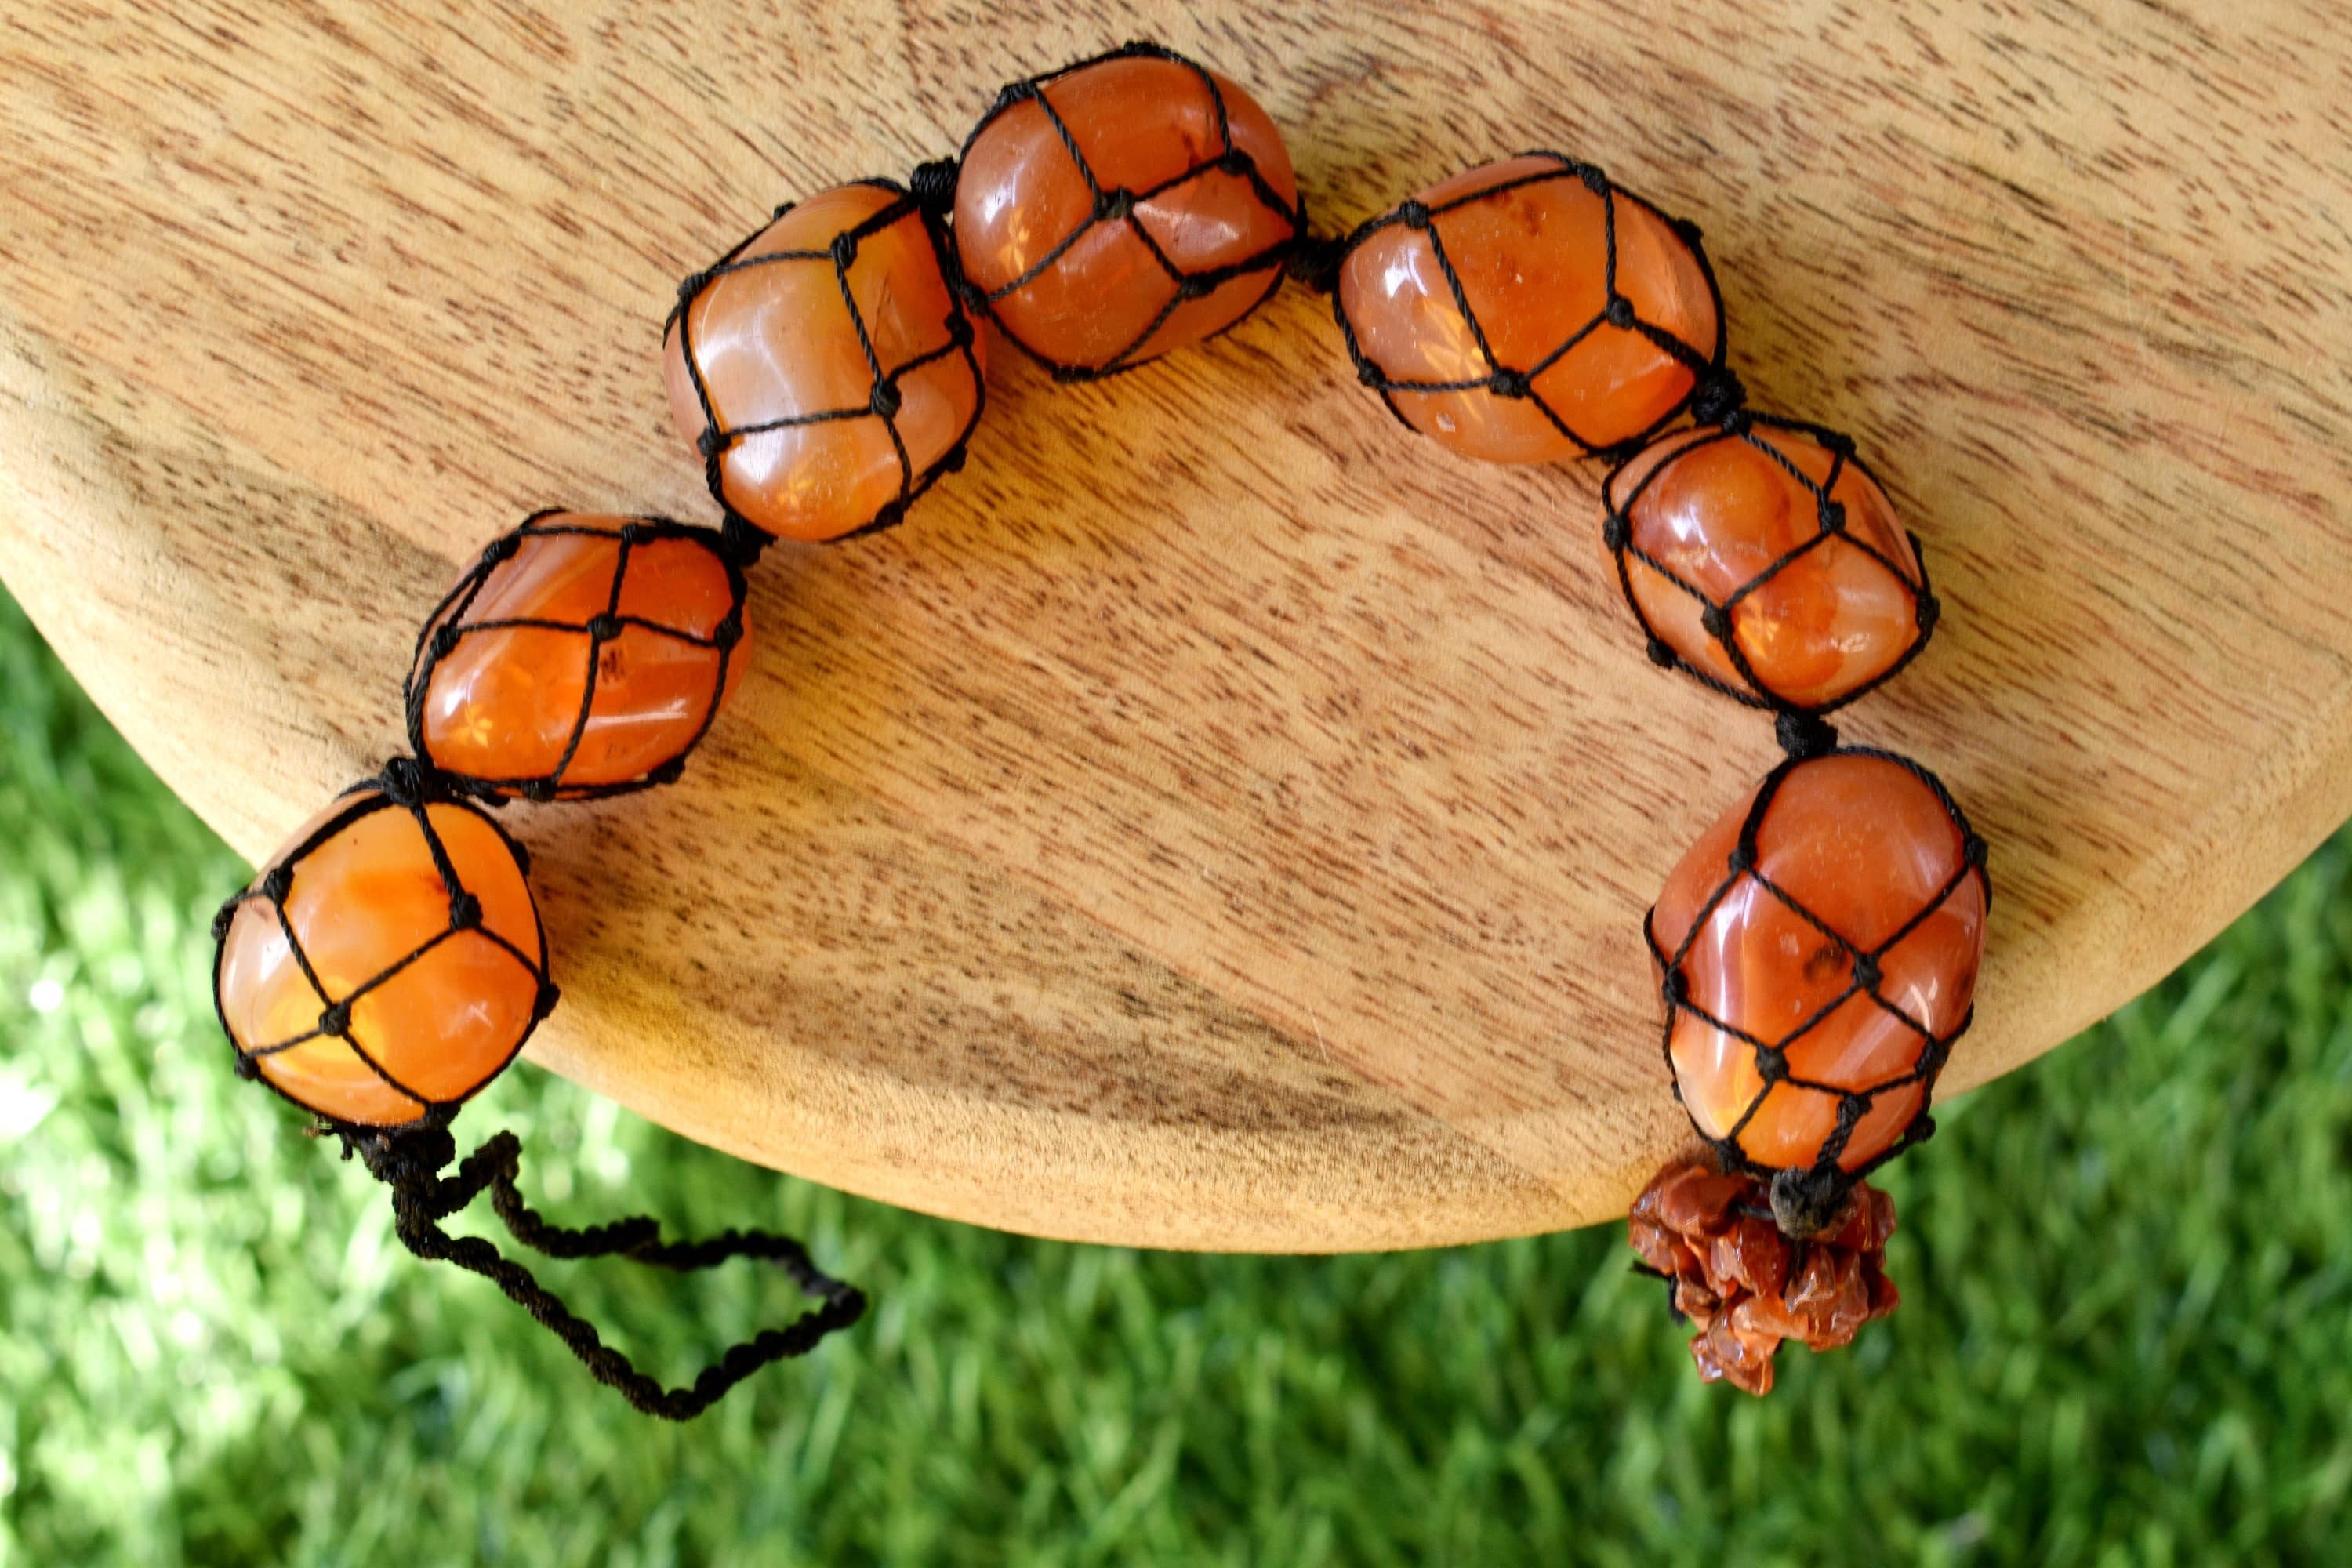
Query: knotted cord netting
(448,629)
(411,1156)
(1718,617)
(1803,1199)
(883,398)
(1713,390)
(1117,204)
(405,787)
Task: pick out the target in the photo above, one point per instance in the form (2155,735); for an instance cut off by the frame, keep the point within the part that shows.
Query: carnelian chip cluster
(1746,1287)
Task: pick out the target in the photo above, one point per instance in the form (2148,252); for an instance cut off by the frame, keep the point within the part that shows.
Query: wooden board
(1218,819)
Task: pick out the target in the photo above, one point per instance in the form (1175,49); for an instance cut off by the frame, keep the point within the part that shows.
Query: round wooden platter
(1219,819)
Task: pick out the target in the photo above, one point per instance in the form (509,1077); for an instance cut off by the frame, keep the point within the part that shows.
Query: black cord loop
(410,1162)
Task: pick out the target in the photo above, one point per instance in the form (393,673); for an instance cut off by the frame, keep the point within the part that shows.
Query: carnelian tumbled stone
(1558,356)
(1164,216)
(581,655)
(1766,557)
(359,982)
(1817,971)
(820,429)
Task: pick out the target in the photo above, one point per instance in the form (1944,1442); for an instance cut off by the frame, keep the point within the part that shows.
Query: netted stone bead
(1529,243)
(1103,298)
(1867,846)
(1832,589)
(776,344)
(501,701)
(437,992)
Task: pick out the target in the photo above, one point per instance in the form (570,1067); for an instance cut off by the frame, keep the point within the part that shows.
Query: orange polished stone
(1718,511)
(1866,846)
(1140,123)
(1533,262)
(501,702)
(363,901)
(775,343)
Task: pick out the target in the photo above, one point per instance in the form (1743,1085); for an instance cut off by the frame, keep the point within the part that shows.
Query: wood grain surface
(1218,818)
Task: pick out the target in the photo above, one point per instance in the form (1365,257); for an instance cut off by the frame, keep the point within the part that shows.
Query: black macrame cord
(1714,391)
(746,539)
(1803,1199)
(448,627)
(408,1157)
(410,1162)
(1720,617)
(411,1158)
(1117,204)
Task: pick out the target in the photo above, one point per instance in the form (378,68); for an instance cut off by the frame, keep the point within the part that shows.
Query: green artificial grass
(2126,1335)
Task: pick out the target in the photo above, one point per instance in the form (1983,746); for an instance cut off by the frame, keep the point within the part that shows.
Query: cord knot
(403,779)
(933,185)
(1719,396)
(1509,384)
(741,541)
(1804,735)
(1806,1203)
(1315,260)
(405,1159)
